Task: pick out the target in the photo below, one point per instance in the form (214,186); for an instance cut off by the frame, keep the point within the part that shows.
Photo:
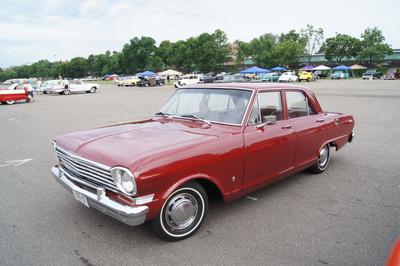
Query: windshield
(215,105)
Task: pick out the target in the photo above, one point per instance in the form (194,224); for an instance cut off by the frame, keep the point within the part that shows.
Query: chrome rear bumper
(127,214)
(351,137)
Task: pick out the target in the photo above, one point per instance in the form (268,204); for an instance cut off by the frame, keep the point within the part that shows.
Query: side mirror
(268,120)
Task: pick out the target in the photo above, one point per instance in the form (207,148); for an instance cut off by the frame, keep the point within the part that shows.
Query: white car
(288,76)
(187,80)
(51,86)
(78,86)
(65,87)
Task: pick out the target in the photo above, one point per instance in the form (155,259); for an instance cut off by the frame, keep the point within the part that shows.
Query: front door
(268,149)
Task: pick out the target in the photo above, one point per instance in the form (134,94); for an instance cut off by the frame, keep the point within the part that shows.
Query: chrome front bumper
(127,214)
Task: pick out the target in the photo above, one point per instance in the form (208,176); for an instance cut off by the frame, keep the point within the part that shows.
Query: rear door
(307,124)
(268,149)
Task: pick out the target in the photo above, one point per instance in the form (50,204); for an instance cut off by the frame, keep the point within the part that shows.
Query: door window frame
(308,104)
(257,100)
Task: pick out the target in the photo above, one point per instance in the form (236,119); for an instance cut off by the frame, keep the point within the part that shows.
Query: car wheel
(182,213)
(323,160)
(10,102)
(66,92)
(93,90)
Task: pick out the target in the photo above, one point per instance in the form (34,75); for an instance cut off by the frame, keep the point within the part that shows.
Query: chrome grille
(86,170)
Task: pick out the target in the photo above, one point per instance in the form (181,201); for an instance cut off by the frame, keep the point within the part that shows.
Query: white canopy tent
(358,67)
(321,68)
(170,72)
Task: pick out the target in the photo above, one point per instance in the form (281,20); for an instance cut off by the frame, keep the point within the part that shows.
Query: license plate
(81,198)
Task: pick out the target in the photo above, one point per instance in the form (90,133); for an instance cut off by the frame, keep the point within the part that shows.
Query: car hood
(128,144)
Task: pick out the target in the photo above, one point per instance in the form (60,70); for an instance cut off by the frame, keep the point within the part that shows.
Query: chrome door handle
(287,127)
(320,120)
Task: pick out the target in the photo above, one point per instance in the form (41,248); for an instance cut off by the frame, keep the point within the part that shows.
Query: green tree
(222,49)
(165,53)
(243,51)
(340,47)
(287,52)
(136,54)
(261,49)
(373,45)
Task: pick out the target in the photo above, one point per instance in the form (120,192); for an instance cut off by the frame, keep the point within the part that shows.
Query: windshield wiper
(198,118)
(164,114)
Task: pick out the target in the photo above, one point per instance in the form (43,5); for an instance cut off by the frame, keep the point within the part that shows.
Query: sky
(61,30)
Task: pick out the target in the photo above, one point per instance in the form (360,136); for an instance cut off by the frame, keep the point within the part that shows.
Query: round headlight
(124,180)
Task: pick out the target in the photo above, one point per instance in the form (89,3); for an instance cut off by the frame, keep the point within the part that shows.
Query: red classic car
(226,138)
(394,255)
(13,93)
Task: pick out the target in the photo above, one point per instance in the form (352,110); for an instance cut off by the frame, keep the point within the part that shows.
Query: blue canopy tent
(344,68)
(278,68)
(255,70)
(146,74)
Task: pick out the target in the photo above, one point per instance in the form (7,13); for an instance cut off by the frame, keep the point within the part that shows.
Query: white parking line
(16,162)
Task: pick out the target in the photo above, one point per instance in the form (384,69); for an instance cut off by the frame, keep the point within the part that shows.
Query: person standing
(28,87)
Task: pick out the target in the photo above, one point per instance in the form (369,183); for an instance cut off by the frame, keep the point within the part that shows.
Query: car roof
(247,85)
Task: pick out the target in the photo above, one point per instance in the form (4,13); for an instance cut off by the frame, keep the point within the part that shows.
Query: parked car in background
(232,78)
(13,93)
(129,81)
(306,75)
(188,79)
(339,75)
(78,85)
(54,86)
(392,73)
(320,74)
(110,77)
(207,78)
(207,138)
(271,77)
(372,74)
(288,76)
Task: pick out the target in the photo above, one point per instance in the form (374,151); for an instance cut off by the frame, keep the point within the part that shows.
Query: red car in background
(229,139)
(13,93)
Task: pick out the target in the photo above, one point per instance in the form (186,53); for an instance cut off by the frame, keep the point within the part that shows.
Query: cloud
(33,30)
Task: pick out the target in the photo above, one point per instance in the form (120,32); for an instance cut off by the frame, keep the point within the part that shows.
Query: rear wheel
(182,213)
(93,90)
(323,160)
(10,102)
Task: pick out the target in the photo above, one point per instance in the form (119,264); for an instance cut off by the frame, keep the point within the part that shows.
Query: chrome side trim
(130,215)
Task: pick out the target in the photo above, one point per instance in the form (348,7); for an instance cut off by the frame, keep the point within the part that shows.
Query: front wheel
(182,213)
(10,102)
(322,162)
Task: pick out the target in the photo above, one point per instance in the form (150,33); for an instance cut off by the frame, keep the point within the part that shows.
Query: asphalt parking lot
(348,215)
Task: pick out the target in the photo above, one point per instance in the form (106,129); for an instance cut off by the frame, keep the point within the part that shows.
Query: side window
(298,104)
(268,104)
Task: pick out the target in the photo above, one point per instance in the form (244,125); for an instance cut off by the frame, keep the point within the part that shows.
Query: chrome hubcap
(181,211)
(323,156)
